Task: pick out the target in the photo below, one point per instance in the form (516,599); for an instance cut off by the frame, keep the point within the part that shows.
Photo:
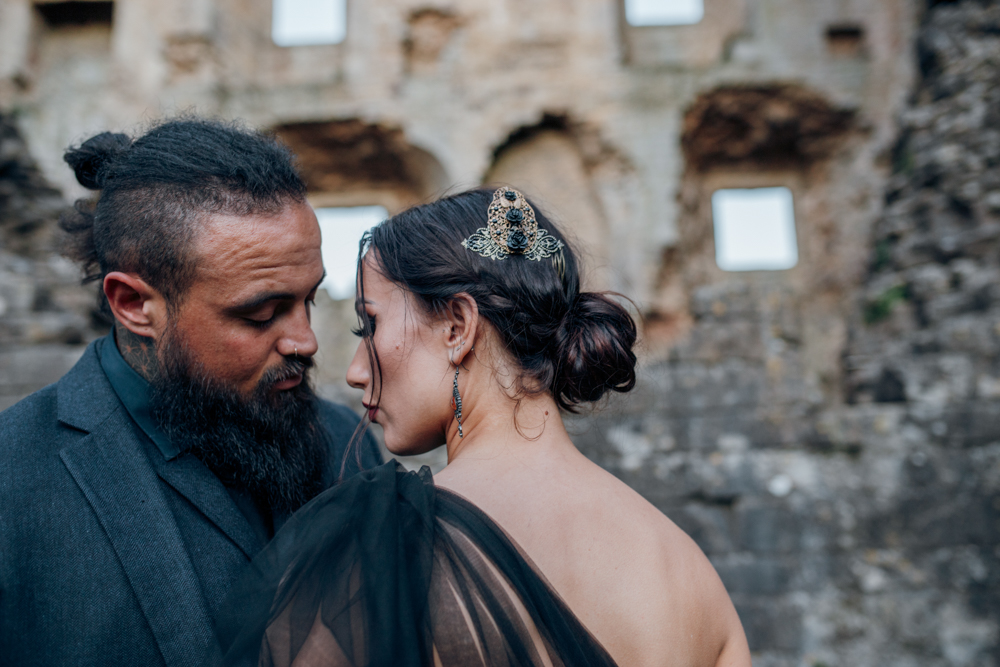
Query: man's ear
(137,305)
(461,324)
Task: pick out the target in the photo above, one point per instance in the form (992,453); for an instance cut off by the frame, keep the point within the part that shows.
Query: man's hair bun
(594,351)
(92,161)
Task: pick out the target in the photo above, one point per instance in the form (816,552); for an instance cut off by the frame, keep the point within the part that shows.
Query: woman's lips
(288,383)
(372,411)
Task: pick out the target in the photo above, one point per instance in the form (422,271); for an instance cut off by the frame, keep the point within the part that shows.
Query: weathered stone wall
(827,434)
(830,435)
(45,316)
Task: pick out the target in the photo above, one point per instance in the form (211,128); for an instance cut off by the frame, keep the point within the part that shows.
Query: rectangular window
(664,12)
(845,40)
(308,22)
(342,228)
(70,14)
(754,229)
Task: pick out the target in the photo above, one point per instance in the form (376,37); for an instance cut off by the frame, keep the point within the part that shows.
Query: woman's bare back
(488,349)
(632,577)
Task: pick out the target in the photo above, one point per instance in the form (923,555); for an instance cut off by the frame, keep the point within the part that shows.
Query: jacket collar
(85,398)
(134,391)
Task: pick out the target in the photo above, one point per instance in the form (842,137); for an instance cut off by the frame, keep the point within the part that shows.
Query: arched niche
(354,163)
(790,319)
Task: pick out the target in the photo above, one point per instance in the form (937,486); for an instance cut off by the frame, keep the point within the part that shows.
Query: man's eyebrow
(260,299)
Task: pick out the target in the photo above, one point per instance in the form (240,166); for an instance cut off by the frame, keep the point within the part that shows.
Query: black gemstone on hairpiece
(515,215)
(510,195)
(517,240)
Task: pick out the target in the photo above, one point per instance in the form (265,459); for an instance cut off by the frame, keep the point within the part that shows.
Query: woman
(521,551)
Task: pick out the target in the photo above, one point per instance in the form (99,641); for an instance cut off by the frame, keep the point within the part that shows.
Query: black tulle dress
(385,569)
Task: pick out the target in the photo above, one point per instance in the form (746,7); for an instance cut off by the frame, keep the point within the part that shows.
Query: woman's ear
(461,322)
(137,306)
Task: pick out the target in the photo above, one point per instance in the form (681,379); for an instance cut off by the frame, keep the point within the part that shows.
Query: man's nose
(298,338)
(358,373)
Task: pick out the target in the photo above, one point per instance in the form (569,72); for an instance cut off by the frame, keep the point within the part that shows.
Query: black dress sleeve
(385,569)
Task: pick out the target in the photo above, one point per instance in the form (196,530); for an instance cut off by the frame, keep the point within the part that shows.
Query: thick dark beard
(270,445)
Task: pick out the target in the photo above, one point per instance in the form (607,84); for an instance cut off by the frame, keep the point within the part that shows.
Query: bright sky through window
(664,12)
(342,229)
(754,229)
(306,22)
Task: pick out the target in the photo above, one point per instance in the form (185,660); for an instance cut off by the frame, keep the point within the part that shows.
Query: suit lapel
(190,478)
(114,474)
(86,399)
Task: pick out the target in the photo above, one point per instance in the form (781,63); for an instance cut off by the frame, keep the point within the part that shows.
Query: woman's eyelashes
(367,327)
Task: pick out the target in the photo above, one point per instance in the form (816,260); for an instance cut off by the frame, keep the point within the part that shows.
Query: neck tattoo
(138,351)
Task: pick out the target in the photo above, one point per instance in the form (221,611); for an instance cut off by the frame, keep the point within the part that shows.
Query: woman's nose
(358,373)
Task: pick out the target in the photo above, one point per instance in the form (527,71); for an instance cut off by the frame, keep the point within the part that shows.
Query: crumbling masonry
(829,434)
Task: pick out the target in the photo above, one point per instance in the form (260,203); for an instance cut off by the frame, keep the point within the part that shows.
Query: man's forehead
(244,247)
(294,217)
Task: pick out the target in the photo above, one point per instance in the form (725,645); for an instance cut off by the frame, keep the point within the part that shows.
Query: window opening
(308,22)
(664,12)
(754,229)
(845,40)
(71,14)
(342,228)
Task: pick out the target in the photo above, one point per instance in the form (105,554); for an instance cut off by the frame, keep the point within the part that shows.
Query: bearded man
(135,490)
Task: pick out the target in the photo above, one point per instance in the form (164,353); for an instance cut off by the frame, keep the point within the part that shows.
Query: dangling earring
(456,404)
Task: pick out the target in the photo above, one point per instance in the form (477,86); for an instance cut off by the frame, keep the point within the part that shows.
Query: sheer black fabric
(385,569)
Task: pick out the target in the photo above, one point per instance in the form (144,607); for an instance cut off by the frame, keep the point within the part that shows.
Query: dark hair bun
(92,160)
(593,351)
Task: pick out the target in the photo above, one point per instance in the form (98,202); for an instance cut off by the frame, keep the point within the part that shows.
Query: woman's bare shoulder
(688,617)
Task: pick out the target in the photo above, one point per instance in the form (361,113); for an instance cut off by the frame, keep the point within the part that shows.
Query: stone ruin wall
(827,434)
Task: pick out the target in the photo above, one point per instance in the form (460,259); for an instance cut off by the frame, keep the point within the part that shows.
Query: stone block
(767,528)
(774,624)
(745,575)
(710,525)
(26,369)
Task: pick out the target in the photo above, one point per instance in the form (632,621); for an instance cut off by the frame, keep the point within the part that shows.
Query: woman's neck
(497,426)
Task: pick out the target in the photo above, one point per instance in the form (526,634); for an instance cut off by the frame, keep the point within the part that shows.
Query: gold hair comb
(512,230)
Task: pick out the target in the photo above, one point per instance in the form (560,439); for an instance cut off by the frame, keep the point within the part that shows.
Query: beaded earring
(456,404)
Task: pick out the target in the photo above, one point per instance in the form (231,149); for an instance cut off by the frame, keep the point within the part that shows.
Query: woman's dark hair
(576,345)
(155,190)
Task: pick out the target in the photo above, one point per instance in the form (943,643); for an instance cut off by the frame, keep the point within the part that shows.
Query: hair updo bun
(593,350)
(92,160)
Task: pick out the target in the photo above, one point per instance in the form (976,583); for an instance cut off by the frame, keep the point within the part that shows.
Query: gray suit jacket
(109,553)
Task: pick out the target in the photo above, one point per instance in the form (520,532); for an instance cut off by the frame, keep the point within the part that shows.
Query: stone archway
(351,162)
(546,163)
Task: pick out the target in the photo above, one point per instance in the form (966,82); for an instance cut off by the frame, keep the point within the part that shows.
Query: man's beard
(269,444)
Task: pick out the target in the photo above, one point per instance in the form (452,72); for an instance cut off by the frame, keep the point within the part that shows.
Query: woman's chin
(399,447)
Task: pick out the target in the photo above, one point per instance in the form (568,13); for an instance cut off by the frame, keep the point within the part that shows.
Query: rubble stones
(45,315)
(859,526)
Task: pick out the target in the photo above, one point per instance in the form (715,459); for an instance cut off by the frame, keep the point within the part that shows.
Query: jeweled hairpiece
(511,229)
